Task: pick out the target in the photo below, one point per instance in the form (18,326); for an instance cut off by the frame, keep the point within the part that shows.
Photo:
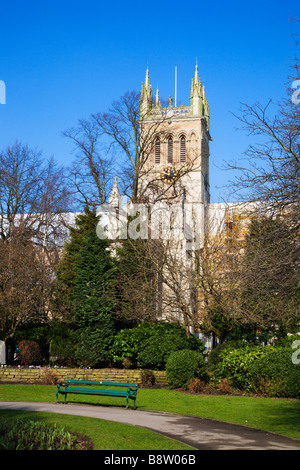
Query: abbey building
(180,140)
(173,185)
(175,141)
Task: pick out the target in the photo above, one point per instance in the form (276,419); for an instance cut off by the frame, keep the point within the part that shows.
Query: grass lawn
(106,435)
(277,415)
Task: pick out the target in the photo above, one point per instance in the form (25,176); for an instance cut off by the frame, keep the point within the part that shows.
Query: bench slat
(94,382)
(96,392)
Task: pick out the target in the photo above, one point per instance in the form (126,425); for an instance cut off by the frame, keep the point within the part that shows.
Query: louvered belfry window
(182,149)
(157,151)
(170,150)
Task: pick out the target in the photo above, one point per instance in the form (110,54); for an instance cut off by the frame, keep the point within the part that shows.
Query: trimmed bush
(149,345)
(127,343)
(215,356)
(161,344)
(184,365)
(275,375)
(235,365)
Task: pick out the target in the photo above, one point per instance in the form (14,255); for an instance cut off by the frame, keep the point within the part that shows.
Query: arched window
(182,149)
(170,150)
(157,151)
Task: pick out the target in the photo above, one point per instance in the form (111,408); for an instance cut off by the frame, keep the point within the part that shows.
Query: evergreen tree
(94,299)
(85,224)
(86,278)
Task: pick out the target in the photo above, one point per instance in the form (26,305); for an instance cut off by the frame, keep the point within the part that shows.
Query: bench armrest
(61,384)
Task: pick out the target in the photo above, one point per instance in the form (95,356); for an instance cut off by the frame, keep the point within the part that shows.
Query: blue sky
(63,60)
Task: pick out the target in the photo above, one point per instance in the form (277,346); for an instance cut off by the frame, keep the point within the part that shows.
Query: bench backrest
(94,382)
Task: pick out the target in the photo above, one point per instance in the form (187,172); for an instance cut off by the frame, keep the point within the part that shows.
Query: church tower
(178,159)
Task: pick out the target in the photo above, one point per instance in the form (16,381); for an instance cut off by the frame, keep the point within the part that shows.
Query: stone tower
(178,159)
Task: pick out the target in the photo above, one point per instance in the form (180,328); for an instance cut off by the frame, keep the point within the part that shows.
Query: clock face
(168,174)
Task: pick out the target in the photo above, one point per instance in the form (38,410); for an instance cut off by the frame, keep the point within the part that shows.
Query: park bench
(75,386)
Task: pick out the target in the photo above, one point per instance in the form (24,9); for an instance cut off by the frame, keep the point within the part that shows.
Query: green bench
(74,386)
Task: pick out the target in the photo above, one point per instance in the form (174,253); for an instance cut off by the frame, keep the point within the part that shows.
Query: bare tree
(220,270)
(123,128)
(160,275)
(33,198)
(130,132)
(91,172)
(269,283)
(269,177)
(33,204)
(270,172)
(25,284)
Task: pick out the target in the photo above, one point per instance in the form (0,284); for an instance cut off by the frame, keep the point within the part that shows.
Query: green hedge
(276,375)
(234,365)
(216,354)
(269,370)
(149,345)
(184,365)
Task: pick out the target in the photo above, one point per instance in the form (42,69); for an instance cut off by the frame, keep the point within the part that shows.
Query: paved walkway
(199,433)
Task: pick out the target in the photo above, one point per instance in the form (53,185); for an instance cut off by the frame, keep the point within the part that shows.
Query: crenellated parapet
(151,109)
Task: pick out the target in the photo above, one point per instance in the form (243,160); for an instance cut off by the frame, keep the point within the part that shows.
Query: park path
(199,433)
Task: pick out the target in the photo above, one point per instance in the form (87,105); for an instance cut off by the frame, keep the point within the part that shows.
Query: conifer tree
(86,282)
(85,223)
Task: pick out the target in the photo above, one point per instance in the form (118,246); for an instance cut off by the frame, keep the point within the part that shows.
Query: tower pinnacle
(157,102)
(146,95)
(114,198)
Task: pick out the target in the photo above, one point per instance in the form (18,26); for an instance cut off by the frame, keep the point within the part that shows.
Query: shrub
(275,374)
(196,385)
(126,363)
(148,378)
(127,342)
(224,386)
(286,341)
(234,365)
(161,344)
(149,345)
(38,333)
(48,377)
(29,352)
(215,356)
(184,365)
